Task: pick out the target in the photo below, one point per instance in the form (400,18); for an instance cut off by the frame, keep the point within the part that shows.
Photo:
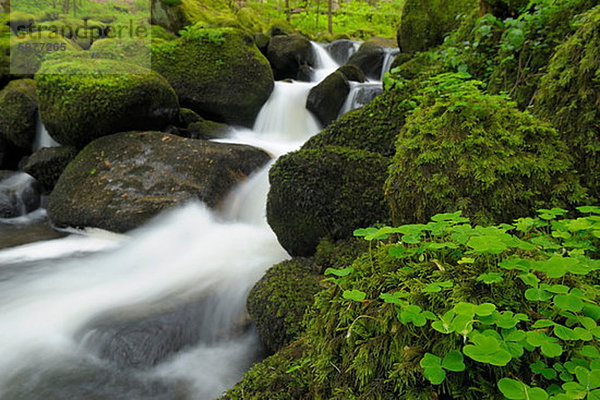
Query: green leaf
(486,349)
(529,279)
(436,286)
(339,272)
(533,294)
(430,360)
(485,309)
(490,277)
(435,375)
(512,389)
(396,298)
(354,295)
(453,361)
(564,333)
(589,209)
(568,302)
(589,351)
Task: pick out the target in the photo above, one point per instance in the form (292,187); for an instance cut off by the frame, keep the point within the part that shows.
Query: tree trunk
(329,16)
(287,10)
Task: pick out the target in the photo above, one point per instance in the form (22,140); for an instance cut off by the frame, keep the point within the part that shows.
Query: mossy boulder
(4,52)
(175,15)
(131,50)
(373,127)
(327,98)
(269,379)
(287,53)
(207,130)
(118,182)
(26,57)
(569,97)
(325,192)
(84,99)
(21,21)
(369,58)
(47,164)
(278,301)
(187,116)
(219,73)
(19,105)
(467,150)
(424,23)
(352,73)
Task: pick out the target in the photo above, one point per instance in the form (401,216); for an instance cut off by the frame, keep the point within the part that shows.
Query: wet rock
(118,182)
(19,195)
(369,58)
(47,164)
(327,98)
(287,53)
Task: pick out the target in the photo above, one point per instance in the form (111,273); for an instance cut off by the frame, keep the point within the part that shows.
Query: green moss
(373,127)
(424,23)
(208,13)
(277,303)
(18,102)
(130,50)
(324,192)
(466,150)
(569,97)
(269,379)
(218,73)
(158,32)
(83,99)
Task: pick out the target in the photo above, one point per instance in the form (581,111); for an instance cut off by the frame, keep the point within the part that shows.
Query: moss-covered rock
(278,301)
(21,21)
(26,55)
(175,15)
(269,379)
(326,99)
(569,97)
(205,129)
(4,53)
(47,164)
(470,151)
(120,181)
(131,50)
(219,73)
(83,99)
(19,105)
(352,73)
(369,58)
(187,116)
(424,23)
(287,53)
(373,127)
(325,192)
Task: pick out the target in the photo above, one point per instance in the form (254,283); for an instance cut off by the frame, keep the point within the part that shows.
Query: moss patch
(18,102)
(27,61)
(84,99)
(569,97)
(325,192)
(218,73)
(277,303)
(466,150)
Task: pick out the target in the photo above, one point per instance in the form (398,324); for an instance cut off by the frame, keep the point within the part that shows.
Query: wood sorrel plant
(539,341)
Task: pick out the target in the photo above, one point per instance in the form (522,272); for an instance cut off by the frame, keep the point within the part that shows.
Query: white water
(388,58)
(49,307)
(42,137)
(360,94)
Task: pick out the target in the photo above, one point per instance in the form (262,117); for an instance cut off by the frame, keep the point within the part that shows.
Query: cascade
(158,313)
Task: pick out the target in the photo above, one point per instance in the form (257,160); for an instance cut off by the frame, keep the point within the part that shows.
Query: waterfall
(324,63)
(158,313)
(360,94)
(42,137)
(388,58)
(19,195)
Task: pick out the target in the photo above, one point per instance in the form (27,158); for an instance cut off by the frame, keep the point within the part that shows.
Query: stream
(157,313)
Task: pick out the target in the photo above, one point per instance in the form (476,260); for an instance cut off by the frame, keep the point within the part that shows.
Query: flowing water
(158,313)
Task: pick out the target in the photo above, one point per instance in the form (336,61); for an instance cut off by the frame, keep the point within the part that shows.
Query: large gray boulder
(118,182)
